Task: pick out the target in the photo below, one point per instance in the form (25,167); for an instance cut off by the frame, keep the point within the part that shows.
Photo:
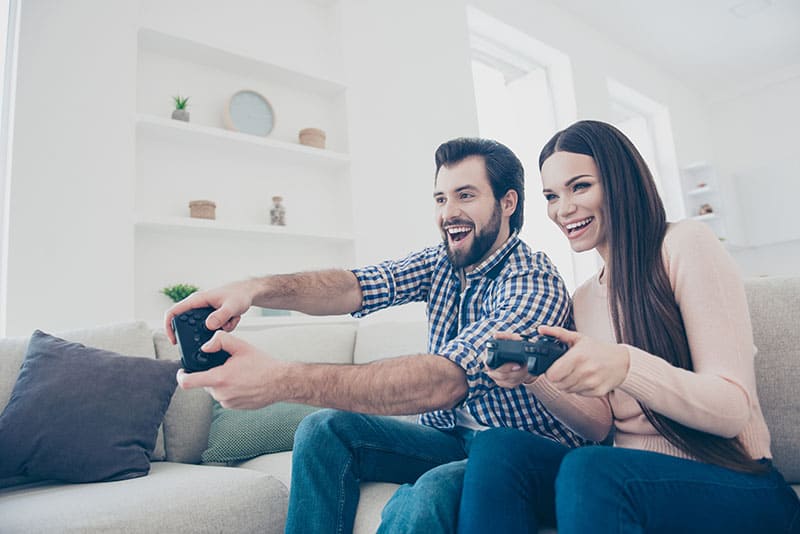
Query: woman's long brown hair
(643,308)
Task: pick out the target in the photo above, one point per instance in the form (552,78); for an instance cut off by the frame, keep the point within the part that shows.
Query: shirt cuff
(377,289)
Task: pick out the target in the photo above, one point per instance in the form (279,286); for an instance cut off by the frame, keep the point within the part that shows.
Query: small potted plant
(180,113)
(178,292)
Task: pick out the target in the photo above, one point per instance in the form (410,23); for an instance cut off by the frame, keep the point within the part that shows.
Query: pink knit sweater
(720,396)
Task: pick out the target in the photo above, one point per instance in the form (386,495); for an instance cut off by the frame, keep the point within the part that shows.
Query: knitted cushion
(238,435)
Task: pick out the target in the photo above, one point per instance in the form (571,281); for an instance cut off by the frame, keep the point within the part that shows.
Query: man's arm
(395,386)
(330,292)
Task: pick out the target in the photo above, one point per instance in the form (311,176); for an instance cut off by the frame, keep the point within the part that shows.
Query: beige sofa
(179,495)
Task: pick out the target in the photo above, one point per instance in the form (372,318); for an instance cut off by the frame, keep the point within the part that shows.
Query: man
(482,279)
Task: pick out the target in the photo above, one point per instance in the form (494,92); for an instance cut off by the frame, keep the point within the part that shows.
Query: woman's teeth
(571,227)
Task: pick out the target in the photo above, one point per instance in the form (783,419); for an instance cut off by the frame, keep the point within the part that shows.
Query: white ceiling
(716,47)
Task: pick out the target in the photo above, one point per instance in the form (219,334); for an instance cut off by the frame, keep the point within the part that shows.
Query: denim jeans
(334,451)
(604,489)
(509,485)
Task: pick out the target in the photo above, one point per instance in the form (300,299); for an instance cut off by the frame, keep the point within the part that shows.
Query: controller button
(201,357)
(182,317)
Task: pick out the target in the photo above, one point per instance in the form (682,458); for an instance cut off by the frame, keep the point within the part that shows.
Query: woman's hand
(590,367)
(510,375)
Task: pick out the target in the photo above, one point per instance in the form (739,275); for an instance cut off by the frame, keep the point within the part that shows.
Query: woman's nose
(565,207)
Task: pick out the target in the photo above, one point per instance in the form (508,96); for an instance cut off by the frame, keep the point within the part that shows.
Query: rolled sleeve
(395,282)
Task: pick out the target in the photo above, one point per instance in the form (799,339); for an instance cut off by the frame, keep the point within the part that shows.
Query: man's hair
(502,166)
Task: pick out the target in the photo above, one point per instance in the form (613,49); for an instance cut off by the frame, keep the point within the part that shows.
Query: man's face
(473,223)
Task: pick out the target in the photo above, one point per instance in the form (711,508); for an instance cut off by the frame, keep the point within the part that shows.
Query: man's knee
(430,502)
(321,427)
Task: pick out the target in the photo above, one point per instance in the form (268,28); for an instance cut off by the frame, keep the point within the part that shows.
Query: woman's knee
(588,467)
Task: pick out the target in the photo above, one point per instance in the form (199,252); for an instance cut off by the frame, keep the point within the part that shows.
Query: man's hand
(249,379)
(230,302)
(590,367)
(511,374)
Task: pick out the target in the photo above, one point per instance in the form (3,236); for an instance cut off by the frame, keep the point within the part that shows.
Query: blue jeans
(605,489)
(509,485)
(334,451)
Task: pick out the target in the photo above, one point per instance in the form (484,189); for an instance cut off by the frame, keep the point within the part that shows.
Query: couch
(182,495)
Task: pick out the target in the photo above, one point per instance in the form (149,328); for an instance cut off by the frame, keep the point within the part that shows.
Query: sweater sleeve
(589,417)
(716,396)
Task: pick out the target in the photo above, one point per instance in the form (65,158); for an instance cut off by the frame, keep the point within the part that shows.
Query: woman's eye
(549,197)
(580,185)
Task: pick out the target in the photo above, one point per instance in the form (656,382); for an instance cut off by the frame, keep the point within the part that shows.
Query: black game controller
(191,332)
(538,354)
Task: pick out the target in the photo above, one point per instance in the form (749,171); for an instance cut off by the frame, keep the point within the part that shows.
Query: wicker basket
(202,209)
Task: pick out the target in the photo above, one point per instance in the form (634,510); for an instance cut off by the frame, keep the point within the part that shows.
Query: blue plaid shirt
(513,290)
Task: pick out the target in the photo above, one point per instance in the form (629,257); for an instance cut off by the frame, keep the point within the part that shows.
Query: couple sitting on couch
(662,356)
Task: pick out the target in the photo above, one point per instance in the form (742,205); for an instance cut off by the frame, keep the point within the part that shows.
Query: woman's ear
(509,202)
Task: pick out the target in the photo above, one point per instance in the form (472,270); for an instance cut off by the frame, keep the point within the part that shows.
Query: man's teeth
(580,224)
(458,230)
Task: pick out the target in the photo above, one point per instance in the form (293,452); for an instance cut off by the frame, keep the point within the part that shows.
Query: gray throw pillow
(238,435)
(81,414)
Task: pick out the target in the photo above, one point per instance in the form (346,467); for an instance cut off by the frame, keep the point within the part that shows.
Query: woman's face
(574,193)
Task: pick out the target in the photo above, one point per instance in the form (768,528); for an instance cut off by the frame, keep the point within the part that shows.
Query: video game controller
(191,333)
(538,354)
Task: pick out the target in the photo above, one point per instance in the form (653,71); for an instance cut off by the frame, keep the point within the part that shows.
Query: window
(9,10)
(524,93)
(647,124)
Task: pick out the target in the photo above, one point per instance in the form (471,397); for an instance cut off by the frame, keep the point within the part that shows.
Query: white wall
(407,66)
(70,260)
(755,148)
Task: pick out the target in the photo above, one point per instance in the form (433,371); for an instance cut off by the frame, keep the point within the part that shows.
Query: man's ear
(509,202)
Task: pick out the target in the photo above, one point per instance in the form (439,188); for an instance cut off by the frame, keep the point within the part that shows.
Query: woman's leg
(605,489)
(509,482)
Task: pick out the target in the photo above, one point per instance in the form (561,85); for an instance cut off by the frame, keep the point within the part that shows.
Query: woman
(663,333)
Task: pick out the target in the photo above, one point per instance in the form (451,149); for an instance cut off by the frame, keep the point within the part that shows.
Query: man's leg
(334,451)
(429,505)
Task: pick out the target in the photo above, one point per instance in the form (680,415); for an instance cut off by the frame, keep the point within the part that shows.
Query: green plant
(180,103)
(178,292)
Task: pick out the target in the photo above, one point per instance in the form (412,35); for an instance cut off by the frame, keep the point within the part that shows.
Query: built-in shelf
(208,226)
(232,61)
(292,152)
(700,191)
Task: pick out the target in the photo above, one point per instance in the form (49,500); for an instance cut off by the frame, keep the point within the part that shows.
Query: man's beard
(481,244)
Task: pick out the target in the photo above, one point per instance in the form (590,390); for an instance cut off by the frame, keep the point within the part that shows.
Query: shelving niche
(178,161)
(701,188)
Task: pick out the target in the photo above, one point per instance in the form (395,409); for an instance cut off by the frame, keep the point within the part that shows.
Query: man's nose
(450,210)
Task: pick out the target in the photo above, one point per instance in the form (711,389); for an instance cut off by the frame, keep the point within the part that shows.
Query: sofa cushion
(775,314)
(378,340)
(175,498)
(82,414)
(132,338)
(188,418)
(238,435)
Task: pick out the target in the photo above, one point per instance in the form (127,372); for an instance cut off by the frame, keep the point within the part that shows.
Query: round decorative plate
(249,112)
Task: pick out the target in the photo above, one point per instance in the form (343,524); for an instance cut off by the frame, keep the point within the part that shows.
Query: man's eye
(466,195)
(439,200)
